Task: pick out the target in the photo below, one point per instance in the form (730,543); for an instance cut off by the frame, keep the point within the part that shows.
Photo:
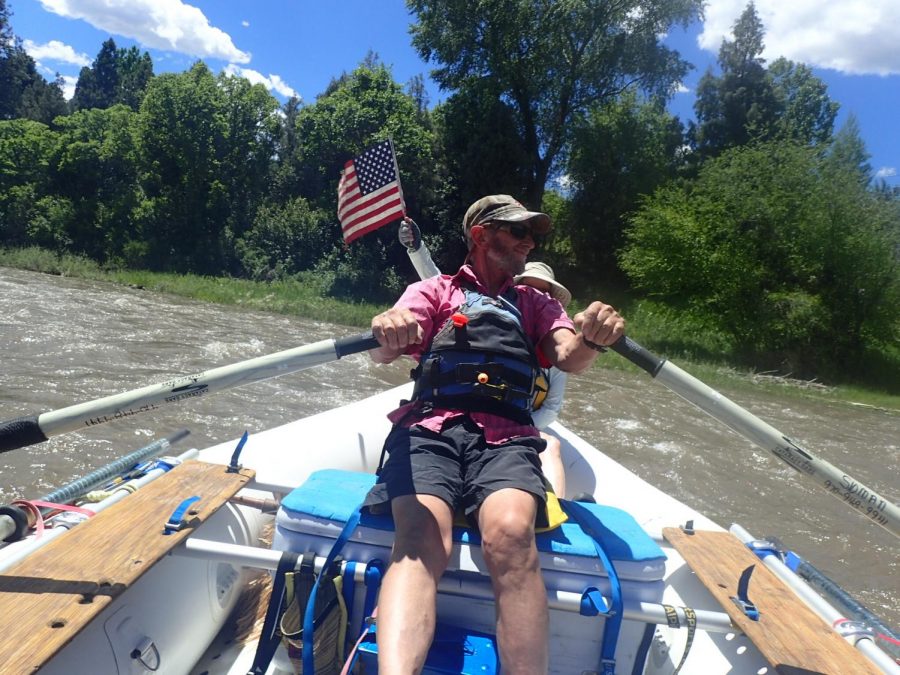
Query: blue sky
(298,46)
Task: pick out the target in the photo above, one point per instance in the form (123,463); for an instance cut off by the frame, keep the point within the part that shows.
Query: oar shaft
(23,431)
(837,482)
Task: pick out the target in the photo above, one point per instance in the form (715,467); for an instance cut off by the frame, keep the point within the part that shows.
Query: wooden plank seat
(790,636)
(50,596)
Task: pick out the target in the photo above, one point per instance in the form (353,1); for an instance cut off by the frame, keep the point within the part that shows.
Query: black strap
(268,639)
(691,618)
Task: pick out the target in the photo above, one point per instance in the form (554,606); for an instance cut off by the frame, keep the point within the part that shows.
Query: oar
(28,430)
(837,482)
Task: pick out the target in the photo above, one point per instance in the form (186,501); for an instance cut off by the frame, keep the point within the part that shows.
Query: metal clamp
(763,548)
(847,628)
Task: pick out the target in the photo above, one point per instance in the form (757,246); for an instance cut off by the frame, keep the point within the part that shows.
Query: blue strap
(742,599)
(268,639)
(348,587)
(374,572)
(234,467)
(176,520)
(309,667)
(587,520)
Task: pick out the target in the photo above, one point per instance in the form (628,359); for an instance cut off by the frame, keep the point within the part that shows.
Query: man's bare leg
(408,597)
(506,520)
(552,465)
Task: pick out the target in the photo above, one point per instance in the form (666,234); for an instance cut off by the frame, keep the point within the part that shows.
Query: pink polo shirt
(432,301)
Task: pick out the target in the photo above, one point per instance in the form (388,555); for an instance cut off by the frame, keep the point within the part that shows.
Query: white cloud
(272,82)
(68,88)
(169,25)
(245,24)
(55,51)
(886,172)
(855,37)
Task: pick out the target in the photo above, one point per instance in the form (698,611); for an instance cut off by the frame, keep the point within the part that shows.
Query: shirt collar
(467,273)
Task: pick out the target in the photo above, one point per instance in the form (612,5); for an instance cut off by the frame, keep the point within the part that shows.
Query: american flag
(369,193)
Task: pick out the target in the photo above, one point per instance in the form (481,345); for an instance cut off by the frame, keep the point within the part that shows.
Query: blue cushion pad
(334,494)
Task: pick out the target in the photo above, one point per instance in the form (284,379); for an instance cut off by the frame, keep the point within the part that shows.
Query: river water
(65,341)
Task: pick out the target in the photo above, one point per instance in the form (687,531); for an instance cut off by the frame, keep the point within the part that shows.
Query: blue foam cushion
(334,495)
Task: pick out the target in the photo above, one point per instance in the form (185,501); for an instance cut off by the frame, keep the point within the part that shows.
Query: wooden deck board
(49,597)
(790,636)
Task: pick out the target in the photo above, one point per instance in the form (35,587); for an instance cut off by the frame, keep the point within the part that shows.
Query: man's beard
(505,259)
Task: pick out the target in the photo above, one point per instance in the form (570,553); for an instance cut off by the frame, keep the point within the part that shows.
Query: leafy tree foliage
(749,102)
(94,168)
(284,239)
(621,151)
(203,148)
(806,113)
(765,244)
(25,150)
(355,112)
(24,93)
(135,71)
(550,61)
(115,76)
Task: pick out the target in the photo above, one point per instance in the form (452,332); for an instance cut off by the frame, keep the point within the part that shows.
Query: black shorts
(458,466)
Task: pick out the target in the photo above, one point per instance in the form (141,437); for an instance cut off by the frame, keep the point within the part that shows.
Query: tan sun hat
(506,209)
(543,271)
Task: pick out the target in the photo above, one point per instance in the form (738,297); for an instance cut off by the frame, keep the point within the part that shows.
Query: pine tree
(741,104)
(98,85)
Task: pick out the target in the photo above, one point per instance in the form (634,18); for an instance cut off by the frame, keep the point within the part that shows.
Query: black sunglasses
(517,230)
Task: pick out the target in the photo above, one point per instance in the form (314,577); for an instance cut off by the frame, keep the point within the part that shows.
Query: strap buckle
(742,600)
(177,521)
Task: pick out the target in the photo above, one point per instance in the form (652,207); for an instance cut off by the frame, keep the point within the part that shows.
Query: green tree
(285,239)
(794,261)
(848,152)
(94,168)
(250,127)
(180,132)
(550,61)
(479,152)
(749,102)
(806,113)
(135,70)
(204,147)
(98,85)
(741,104)
(620,152)
(25,150)
(24,93)
(356,111)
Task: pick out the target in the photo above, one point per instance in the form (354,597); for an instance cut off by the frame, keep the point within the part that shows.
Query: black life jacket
(480,360)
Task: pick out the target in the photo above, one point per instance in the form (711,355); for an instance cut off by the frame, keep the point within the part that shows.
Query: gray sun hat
(543,271)
(506,209)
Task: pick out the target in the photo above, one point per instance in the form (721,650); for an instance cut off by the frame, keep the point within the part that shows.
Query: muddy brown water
(65,341)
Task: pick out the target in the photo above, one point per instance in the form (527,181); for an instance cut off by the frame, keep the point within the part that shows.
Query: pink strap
(34,506)
(63,507)
(35,512)
(350,657)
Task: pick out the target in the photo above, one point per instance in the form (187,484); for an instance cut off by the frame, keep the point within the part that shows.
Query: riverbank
(303,296)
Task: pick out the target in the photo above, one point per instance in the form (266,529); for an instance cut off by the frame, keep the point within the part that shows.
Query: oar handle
(20,432)
(639,356)
(355,344)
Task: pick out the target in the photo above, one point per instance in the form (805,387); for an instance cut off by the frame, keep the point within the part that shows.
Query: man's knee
(423,527)
(508,539)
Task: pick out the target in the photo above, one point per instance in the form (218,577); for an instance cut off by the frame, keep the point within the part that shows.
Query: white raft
(167,619)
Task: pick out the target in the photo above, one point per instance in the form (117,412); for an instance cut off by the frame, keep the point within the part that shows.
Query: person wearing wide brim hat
(544,273)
